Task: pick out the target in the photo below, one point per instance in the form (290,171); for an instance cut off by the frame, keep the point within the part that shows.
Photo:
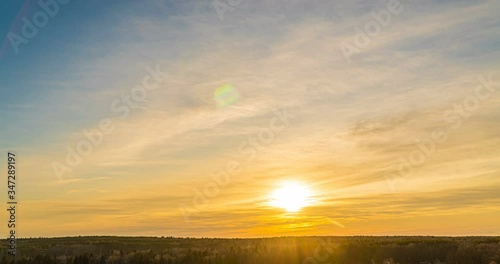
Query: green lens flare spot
(226,95)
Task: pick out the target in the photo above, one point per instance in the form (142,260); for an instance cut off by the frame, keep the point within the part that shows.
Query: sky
(181,118)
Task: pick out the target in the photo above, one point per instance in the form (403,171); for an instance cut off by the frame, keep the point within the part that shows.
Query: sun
(292,197)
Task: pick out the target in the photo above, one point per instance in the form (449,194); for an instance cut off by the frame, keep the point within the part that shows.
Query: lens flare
(226,95)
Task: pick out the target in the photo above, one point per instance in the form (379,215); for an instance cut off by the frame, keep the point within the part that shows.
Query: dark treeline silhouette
(285,250)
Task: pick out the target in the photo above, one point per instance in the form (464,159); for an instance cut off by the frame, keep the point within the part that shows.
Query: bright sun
(292,196)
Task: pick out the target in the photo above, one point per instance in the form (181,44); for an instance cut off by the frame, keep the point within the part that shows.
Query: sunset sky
(400,137)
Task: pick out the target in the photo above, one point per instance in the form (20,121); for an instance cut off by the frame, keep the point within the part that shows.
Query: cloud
(353,121)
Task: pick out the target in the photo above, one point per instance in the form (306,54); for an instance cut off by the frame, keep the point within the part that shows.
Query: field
(285,250)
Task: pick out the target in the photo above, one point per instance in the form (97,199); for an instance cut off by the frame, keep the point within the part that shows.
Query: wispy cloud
(353,120)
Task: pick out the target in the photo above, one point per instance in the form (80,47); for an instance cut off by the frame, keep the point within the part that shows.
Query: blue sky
(353,119)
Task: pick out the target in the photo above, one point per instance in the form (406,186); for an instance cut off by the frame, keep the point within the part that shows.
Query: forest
(282,250)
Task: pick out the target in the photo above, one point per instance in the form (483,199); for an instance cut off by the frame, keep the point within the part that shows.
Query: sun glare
(292,196)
